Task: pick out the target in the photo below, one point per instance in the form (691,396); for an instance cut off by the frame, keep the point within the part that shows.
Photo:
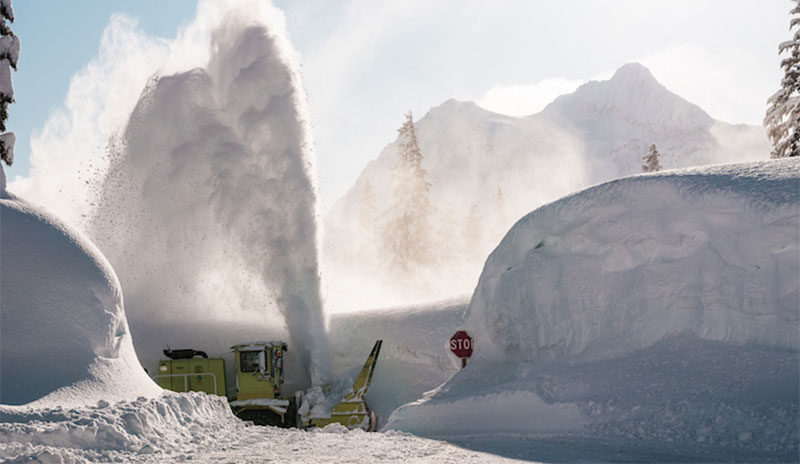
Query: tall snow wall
(64,339)
(619,266)
(208,208)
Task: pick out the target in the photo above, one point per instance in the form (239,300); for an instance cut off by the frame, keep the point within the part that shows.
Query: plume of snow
(189,163)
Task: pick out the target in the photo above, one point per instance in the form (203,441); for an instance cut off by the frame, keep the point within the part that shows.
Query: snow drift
(656,313)
(64,338)
(617,267)
(138,430)
(199,428)
(208,209)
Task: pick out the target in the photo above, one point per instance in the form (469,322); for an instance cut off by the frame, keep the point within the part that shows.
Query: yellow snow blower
(259,376)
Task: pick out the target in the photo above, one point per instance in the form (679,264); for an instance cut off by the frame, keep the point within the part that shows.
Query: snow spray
(208,209)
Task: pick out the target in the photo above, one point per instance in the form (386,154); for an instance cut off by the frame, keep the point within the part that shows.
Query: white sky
(367,62)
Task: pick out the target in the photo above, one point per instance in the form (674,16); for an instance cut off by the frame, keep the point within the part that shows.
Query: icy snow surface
(207,212)
(655,315)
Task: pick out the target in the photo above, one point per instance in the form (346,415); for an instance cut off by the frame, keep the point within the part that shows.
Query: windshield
(248,361)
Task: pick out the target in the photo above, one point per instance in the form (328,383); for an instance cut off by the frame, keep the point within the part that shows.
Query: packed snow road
(197,427)
(334,444)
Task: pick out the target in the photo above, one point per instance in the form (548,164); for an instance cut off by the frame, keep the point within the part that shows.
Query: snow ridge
(618,267)
(104,432)
(654,318)
(634,96)
(67,341)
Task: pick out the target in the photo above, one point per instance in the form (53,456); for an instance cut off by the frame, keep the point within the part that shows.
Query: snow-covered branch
(782,118)
(9,56)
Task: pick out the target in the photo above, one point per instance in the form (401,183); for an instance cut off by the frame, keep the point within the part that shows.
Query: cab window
(248,361)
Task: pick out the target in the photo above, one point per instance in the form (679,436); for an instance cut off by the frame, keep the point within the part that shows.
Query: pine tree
(501,222)
(406,234)
(782,120)
(652,160)
(9,55)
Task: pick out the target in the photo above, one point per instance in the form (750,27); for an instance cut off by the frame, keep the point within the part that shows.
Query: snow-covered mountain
(497,168)
(618,119)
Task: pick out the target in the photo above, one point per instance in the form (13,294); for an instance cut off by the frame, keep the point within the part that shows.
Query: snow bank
(169,425)
(63,334)
(683,399)
(502,412)
(654,315)
(200,428)
(208,209)
(620,266)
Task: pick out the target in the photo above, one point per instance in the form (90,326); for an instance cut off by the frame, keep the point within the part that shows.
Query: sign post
(461,345)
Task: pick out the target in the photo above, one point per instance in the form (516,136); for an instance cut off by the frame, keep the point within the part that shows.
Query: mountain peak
(633,72)
(456,105)
(632,95)
(456,108)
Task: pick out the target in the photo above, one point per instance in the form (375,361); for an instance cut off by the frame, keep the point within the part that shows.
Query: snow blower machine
(259,376)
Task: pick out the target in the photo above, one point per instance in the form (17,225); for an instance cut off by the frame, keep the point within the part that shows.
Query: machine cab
(259,370)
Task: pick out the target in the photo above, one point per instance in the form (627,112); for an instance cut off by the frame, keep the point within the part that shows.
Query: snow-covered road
(337,445)
(200,428)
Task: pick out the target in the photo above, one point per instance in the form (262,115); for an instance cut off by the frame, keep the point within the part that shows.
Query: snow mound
(63,332)
(683,399)
(105,432)
(654,316)
(619,266)
(200,428)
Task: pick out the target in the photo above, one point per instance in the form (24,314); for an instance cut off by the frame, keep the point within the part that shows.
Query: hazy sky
(367,62)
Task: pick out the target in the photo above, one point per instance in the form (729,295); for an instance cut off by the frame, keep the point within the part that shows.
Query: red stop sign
(461,344)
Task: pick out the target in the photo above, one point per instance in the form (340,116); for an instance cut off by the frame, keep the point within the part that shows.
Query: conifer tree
(652,160)
(9,54)
(782,119)
(501,224)
(406,234)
